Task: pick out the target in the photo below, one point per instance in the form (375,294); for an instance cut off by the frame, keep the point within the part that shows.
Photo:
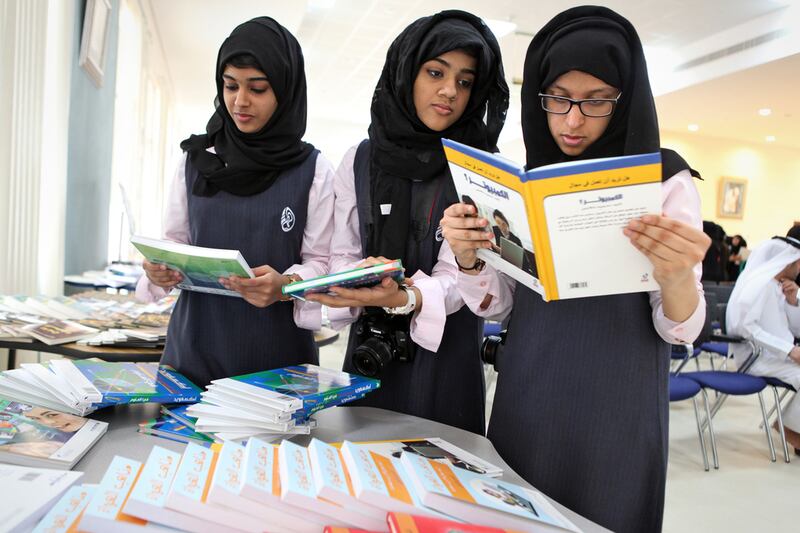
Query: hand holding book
(262,290)
(385,293)
(465,232)
(161,275)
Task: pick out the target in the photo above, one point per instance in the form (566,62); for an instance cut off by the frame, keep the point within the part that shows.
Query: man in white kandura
(764,309)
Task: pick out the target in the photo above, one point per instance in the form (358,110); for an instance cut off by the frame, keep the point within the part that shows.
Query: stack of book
(274,402)
(83,386)
(91,319)
(28,493)
(289,488)
(42,437)
(176,424)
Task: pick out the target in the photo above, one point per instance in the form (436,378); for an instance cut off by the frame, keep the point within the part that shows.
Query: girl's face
(575,132)
(249,98)
(442,89)
(56,419)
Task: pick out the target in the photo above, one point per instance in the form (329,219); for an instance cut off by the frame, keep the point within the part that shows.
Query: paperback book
(28,493)
(41,437)
(558,228)
(200,267)
(63,516)
(59,331)
(480,499)
(351,279)
(169,428)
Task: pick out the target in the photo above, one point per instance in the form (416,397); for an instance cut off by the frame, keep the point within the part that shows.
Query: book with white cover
(226,485)
(332,479)
(189,491)
(28,493)
(437,449)
(200,267)
(37,436)
(65,513)
(480,499)
(149,495)
(104,512)
(260,492)
(378,481)
(297,488)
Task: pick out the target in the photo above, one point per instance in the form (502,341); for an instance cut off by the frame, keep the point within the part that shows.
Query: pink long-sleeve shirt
(680,200)
(314,252)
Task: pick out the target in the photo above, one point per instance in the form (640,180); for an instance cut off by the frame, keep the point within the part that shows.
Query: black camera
(492,349)
(382,339)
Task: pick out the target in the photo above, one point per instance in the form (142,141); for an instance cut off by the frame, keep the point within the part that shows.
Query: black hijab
(248,163)
(600,42)
(402,148)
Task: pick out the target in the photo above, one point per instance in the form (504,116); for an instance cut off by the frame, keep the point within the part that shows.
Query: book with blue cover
(480,499)
(170,428)
(178,412)
(558,228)
(367,276)
(307,388)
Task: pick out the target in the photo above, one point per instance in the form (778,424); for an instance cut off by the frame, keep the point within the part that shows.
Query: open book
(201,267)
(558,228)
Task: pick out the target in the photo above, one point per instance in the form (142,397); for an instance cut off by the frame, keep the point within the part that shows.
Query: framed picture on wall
(731,196)
(93,41)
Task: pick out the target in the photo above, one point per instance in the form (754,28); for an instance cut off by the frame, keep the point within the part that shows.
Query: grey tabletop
(335,425)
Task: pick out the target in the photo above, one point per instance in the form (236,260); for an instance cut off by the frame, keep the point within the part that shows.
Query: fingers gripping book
(558,228)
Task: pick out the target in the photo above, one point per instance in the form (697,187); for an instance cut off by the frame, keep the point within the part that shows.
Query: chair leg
(771,445)
(772,409)
(700,434)
(710,430)
(780,424)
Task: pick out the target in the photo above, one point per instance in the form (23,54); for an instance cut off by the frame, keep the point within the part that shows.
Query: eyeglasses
(590,107)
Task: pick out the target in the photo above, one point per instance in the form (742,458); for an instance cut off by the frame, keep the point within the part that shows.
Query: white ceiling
(345,42)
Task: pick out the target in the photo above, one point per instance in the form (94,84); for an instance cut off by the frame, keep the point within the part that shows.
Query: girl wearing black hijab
(581,405)
(442,75)
(249,183)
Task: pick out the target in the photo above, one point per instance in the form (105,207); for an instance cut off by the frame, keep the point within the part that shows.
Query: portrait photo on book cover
(503,496)
(35,431)
(509,227)
(731,197)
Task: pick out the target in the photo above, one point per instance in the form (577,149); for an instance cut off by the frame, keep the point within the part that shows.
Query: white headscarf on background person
(765,262)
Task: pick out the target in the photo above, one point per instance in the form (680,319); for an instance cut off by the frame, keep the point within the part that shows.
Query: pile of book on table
(91,318)
(289,488)
(267,404)
(83,386)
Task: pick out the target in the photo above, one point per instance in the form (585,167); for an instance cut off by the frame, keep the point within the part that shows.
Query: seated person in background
(764,308)
(716,259)
(737,255)
(794,233)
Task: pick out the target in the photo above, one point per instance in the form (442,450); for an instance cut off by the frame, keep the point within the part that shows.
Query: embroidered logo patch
(287,219)
(439,237)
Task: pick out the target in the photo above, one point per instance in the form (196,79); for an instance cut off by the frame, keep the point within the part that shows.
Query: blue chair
(730,384)
(681,388)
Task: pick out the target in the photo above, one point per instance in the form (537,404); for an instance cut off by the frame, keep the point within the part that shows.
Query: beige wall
(772,202)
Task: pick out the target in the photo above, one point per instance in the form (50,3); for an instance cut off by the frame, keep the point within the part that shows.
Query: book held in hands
(200,267)
(367,276)
(558,228)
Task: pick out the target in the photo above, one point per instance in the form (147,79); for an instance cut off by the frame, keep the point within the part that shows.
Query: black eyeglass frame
(580,103)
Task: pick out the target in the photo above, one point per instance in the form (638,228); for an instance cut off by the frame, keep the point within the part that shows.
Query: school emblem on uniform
(439,236)
(287,219)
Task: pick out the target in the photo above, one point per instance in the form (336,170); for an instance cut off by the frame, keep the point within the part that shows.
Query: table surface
(335,425)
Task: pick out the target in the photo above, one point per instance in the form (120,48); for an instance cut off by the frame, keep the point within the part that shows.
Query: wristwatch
(407,309)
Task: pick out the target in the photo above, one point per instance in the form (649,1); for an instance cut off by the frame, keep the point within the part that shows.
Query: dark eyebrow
(448,65)
(591,93)
(257,78)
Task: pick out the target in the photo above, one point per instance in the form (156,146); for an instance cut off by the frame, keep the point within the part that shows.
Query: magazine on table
(558,228)
(200,267)
(40,437)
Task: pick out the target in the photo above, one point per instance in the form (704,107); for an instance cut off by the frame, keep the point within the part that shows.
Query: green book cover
(200,267)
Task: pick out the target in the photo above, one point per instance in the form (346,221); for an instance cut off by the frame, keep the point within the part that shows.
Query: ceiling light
(770,138)
(500,28)
(765,111)
(693,127)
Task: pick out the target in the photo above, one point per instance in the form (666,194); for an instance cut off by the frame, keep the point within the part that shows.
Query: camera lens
(490,349)
(371,357)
